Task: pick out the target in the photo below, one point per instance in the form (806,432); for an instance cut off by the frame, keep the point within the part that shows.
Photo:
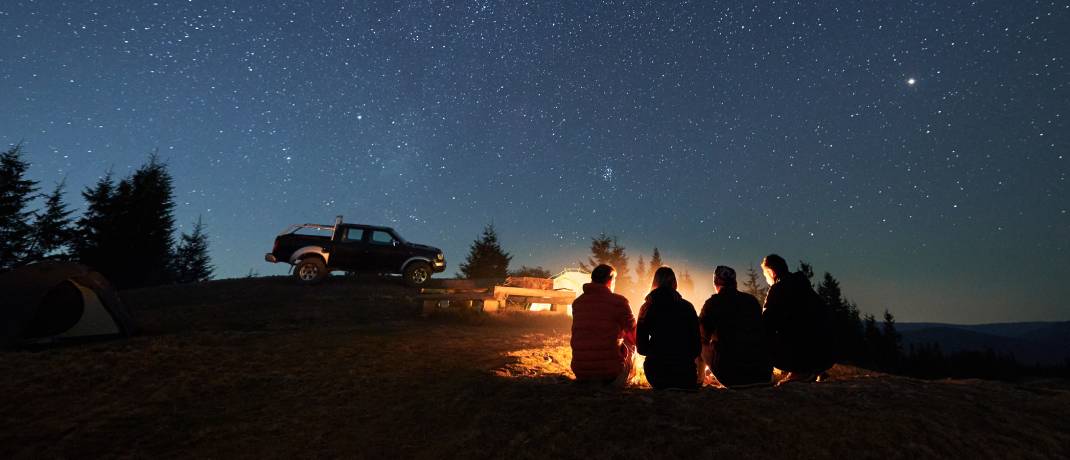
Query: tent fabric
(55,301)
(95,317)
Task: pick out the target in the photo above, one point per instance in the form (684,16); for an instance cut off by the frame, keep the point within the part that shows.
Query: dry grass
(264,369)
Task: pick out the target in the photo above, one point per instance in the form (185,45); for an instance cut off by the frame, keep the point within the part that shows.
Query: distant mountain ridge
(1035,342)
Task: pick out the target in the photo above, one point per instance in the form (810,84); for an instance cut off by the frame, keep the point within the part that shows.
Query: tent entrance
(96,320)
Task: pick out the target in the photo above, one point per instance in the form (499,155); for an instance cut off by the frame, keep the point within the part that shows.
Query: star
(911,81)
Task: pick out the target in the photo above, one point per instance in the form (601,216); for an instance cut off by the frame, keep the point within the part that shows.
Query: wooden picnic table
(491,298)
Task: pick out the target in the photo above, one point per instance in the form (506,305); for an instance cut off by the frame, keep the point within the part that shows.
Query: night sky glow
(917,150)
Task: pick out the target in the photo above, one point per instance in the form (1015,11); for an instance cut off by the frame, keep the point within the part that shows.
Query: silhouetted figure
(667,334)
(797,323)
(732,336)
(603,332)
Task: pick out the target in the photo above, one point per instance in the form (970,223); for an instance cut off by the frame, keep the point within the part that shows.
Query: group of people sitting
(733,335)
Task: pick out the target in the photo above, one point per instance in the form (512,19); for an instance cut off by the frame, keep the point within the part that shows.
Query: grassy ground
(262,368)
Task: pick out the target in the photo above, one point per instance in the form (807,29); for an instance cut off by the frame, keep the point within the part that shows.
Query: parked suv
(315,250)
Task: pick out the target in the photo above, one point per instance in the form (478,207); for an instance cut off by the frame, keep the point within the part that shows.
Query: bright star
(911,81)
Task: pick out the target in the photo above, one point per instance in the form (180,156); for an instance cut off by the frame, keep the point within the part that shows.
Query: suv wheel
(310,270)
(417,274)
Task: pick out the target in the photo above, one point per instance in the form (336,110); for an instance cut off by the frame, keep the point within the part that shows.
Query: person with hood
(733,342)
(603,332)
(668,335)
(796,323)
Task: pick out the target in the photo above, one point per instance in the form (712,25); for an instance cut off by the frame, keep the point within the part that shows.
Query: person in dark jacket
(667,334)
(796,323)
(733,342)
(603,332)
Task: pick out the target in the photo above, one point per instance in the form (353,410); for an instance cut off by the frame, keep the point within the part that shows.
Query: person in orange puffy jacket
(603,332)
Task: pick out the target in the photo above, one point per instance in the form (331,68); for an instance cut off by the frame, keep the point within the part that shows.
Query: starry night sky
(917,150)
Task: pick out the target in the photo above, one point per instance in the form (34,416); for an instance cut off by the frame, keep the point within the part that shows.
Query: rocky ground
(264,368)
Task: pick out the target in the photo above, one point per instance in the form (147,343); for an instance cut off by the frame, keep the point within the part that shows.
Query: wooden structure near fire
(489,296)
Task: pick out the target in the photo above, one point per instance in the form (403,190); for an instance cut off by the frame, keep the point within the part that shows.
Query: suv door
(385,251)
(350,252)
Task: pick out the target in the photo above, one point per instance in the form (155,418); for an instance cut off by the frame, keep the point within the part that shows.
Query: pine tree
(807,270)
(687,285)
(486,259)
(53,229)
(872,336)
(843,329)
(655,261)
(129,227)
(151,221)
(605,249)
(830,292)
(117,263)
(856,342)
(16,234)
(891,343)
(192,263)
(95,225)
(640,272)
(755,285)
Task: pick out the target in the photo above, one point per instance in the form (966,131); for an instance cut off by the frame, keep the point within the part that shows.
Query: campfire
(554,357)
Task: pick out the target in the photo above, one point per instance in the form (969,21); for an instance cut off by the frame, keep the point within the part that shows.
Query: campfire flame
(554,359)
(639,378)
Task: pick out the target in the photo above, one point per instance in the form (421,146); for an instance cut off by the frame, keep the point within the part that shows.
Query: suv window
(313,231)
(353,235)
(381,238)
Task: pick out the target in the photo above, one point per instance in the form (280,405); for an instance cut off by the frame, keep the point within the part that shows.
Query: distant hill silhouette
(1044,343)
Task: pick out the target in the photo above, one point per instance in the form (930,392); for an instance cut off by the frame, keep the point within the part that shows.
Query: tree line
(487,259)
(126,231)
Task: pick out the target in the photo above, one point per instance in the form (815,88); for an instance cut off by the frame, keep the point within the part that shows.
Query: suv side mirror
(394,243)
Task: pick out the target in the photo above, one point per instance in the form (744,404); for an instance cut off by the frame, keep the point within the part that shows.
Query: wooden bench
(494,298)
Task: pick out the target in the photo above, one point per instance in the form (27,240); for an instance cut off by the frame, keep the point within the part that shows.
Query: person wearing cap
(796,322)
(667,334)
(732,337)
(603,332)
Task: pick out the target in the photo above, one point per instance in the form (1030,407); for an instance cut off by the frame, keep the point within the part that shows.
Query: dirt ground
(263,368)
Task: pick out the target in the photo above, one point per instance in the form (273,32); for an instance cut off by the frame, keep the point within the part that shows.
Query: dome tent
(58,301)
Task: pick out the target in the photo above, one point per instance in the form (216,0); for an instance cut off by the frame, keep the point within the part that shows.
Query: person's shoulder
(617,298)
(601,298)
(799,280)
(586,298)
(747,297)
(780,287)
(749,301)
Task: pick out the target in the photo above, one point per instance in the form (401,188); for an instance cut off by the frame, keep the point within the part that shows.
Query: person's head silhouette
(663,277)
(724,277)
(605,275)
(775,268)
